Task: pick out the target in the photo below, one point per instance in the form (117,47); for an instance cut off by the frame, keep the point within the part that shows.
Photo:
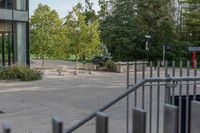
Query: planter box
(87,66)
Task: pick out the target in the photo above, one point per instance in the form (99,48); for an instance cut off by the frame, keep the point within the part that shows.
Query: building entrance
(6,49)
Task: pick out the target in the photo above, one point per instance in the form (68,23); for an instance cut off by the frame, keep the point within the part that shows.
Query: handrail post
(57,125)
(6,128)
(170,119)
(139,121)
(102,123)
(195,120)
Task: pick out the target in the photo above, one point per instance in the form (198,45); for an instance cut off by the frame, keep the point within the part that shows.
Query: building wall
(14,17)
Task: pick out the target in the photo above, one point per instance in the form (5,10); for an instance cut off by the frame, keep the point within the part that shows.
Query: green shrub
(111,66)
(22,73)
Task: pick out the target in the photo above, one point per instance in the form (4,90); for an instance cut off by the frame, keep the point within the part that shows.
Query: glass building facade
(14,32)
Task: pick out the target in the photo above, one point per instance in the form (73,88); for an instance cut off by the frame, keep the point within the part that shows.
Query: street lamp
(164,50)
(147,38)
(78,30)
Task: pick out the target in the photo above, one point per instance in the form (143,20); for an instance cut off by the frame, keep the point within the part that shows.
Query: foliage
(155,18)
(121,25)
(118,30)
(111,66)
(191,22)
(46,32)
(84,41)
(22,73)
(124,29)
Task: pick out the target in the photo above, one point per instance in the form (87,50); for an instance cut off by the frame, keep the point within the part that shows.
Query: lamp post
(147,38)
(164,49)
(78,31)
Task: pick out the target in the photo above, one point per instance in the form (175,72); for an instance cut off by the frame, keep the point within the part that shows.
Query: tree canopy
(121,25)
(45,30)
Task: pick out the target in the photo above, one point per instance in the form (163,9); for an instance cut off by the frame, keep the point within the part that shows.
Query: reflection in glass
(5,43)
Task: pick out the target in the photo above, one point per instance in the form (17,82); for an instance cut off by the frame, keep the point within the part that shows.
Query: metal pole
(167,91)
(3,50)
(127,109)
(163,55)
(146,45)
(8,48)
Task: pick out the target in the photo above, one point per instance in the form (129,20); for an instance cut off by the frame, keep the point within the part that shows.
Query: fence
(159,99)
(178,94)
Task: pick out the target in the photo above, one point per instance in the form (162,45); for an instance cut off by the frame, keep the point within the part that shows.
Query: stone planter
(122,66)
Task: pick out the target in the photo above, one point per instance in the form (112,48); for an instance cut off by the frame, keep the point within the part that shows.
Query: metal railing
(179,94)
(159,81)
(169,80)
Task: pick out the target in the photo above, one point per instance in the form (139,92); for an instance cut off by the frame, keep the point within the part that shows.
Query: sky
(61,6)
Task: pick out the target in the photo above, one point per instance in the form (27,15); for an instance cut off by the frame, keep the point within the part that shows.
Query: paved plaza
(29,106)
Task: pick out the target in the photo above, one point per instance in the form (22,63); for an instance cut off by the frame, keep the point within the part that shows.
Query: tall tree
(155,18)
(45,31)
(191,21)
(83,38)
(126,23)
(118,29)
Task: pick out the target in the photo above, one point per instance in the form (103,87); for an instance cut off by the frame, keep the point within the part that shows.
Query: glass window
(5,43)
(6,4)
(21,5)
(5,26)
(2,3)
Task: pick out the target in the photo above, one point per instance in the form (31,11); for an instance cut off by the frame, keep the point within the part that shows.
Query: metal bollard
(57,125)
(139,121)
(6,128)
(102,123)
(170,119)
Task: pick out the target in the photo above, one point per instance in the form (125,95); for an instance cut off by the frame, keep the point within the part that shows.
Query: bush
(22,73)
(111,66)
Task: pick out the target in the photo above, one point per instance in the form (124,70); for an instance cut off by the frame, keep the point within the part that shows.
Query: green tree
(124,26)
(45,32)
(155,18)
(118,28)
(84,40)
(191,21)
(104,4)
(89,12)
